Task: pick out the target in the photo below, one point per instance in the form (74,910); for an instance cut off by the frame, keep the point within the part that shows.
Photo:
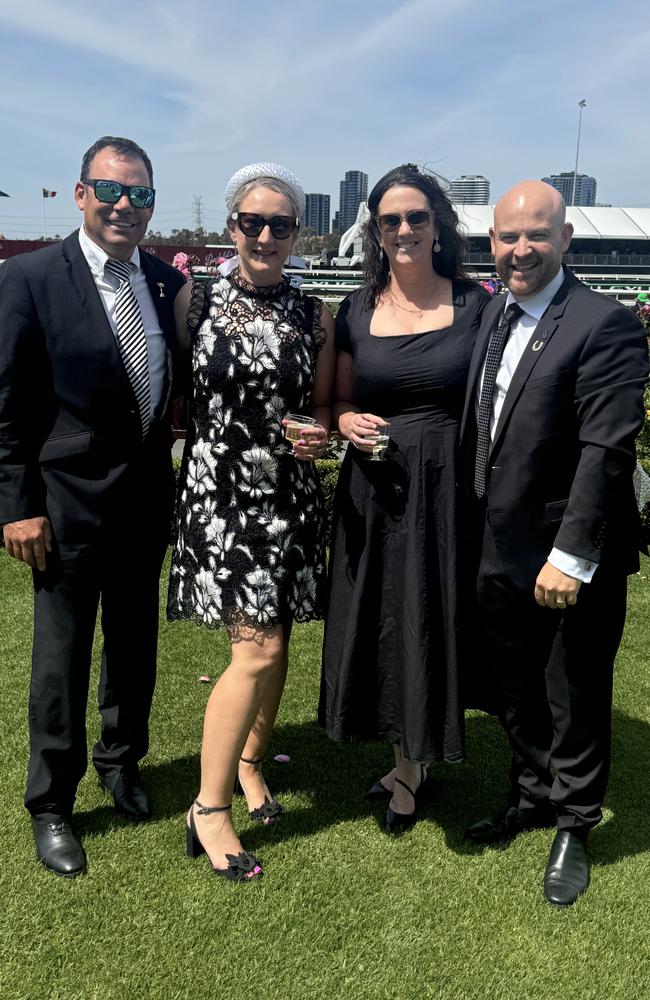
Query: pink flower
(181,263)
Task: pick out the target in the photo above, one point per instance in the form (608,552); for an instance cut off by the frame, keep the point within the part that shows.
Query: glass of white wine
(379,441)
(295,424)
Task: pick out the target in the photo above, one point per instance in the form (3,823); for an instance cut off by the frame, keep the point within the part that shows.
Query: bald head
(529,236)
(536,197)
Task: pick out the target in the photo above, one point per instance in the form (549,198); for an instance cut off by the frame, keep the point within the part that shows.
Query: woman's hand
(360,428)
(311,444)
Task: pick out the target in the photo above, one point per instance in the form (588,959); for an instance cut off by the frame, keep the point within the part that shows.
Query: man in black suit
(86,483)
(554,405)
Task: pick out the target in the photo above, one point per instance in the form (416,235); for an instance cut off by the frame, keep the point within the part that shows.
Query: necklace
(415,312)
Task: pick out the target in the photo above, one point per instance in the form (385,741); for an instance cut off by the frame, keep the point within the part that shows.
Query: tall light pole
(582,105)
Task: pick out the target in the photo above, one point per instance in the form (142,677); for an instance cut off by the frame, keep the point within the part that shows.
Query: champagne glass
(295,424)
(379,441)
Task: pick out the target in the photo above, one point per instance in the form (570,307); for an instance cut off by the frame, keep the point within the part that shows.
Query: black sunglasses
(417,219)
(110,192)
(252,224)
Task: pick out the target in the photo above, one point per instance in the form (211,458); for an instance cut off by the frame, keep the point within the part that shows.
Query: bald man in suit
(554,405)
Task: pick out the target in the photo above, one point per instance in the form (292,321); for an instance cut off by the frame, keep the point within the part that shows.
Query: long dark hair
(448,262)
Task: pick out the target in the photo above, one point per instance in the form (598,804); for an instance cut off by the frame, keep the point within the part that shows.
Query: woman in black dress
(249,554)
(404,340)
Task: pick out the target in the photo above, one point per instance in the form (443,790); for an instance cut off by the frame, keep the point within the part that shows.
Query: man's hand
(554,589)
(29,540)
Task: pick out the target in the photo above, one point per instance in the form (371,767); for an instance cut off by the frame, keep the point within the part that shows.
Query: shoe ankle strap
(206,810)
(251,760)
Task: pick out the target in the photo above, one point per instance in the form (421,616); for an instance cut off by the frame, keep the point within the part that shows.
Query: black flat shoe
(129,798)
(57,847)
(567,872)
(507,824)
(242,867)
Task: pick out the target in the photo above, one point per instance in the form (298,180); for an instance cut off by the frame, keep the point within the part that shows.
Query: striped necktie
(131,338)
(495,351)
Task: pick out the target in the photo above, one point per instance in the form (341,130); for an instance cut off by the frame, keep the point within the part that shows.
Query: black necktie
(131,338)
(495,350)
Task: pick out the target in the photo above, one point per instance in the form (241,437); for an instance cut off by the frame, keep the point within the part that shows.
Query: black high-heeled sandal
(242,867)
(397,823)
(270,810)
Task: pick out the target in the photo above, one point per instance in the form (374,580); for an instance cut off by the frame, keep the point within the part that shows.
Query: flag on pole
(49,194)
(3,194)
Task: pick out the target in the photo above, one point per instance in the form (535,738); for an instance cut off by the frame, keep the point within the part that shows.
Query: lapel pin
(537,346)
(161,289)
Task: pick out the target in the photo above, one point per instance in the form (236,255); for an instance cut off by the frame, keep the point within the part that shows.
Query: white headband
(255,170)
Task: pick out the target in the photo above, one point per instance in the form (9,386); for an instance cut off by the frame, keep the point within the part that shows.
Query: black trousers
(66,602)
(553,671)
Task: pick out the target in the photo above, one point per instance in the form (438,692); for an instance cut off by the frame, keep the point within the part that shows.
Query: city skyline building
(470,189)
(353,190)
(585,187)
(317,213)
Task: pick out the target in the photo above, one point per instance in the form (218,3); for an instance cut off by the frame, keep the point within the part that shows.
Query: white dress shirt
(533,308)
(107,286)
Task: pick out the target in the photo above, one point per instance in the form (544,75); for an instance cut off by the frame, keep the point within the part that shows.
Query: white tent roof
(594,223)
(588,223)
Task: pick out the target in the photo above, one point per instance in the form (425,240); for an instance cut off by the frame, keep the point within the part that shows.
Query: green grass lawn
(342,910)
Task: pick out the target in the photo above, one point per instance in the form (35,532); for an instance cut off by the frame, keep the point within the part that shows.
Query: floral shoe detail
(242,867)
(270,810)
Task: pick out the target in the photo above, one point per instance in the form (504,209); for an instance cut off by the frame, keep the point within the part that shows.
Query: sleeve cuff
(575,566)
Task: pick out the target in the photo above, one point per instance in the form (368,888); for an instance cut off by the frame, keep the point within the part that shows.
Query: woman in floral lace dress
(249,552)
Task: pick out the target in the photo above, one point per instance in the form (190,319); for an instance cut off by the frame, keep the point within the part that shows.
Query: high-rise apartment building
(470,189)
(353,190)
(585,187)
(317,213)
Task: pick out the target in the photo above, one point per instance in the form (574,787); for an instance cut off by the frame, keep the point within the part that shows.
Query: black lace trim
(242,621)
(319,331)
(197,311)
(258,291)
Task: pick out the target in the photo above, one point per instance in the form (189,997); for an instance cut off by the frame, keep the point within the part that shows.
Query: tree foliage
(188,237)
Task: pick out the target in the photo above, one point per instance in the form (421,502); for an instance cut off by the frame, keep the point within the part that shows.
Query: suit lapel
(162,296)
(538,343)
(90,301)
(478,358)
(161,293)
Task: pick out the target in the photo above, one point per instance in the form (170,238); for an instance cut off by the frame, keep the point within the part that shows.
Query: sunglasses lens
(417,219)
(141,197)
(108,191)
(250,223)
(281,226)
(387,223)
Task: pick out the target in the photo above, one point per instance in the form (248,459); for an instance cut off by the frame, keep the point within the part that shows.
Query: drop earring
(436,246)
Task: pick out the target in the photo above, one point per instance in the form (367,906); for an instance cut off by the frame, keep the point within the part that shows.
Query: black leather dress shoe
(58,848)
(129,798)
(507,824)
(567,872)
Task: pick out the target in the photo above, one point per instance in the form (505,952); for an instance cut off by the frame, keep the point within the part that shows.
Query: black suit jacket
(560,467)
(70,445)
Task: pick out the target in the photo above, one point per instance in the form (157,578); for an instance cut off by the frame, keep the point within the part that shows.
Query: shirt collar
(96,257)
(537,304)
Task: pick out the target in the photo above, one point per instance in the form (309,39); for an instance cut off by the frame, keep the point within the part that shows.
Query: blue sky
(322,86)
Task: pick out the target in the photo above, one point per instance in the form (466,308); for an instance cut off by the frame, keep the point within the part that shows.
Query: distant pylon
(198,211)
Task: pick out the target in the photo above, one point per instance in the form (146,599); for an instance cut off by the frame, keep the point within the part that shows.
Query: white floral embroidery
(207,594)
(258,470)
(261,594)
